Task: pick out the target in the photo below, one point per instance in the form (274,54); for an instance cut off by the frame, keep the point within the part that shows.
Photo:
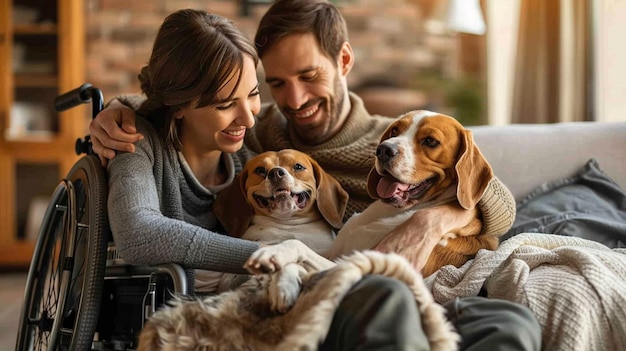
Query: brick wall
(388,39)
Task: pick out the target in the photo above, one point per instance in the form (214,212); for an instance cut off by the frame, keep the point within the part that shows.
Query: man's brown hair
(318,17)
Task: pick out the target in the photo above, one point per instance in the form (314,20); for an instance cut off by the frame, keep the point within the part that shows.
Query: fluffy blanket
(243,319)
(575,287)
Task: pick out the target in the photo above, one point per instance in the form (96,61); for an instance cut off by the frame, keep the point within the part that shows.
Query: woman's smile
(236,134)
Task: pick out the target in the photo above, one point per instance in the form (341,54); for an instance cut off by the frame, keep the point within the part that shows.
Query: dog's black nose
(386,152)
(276,173)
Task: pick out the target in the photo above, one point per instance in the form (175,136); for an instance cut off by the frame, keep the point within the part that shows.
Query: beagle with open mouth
(282,195)
(428,178)
(278,196)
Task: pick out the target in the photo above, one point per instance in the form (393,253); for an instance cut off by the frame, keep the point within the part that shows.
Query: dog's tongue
(388,187)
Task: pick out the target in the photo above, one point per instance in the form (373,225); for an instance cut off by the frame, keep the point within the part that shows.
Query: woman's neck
(206,166)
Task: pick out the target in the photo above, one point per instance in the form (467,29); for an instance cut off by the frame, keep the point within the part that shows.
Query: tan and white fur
(427,171)
(281,195)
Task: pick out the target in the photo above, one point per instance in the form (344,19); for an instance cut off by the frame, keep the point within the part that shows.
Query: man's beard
(332,107)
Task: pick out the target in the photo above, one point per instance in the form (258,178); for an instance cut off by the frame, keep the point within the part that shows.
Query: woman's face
(222,126)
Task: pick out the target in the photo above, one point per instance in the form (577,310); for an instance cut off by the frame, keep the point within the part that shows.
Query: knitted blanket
(575,287)
(243,319)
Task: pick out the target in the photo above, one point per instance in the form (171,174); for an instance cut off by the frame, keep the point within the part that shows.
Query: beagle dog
(282,195)
(427,179)
(426,165)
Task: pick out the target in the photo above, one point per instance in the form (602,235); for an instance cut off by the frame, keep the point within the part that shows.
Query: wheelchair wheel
(64,286)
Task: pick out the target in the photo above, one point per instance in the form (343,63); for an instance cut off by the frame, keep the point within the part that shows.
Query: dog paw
(285,287)
(271,258)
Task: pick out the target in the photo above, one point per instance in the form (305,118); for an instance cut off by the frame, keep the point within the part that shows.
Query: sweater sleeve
(145,236)
(497,206)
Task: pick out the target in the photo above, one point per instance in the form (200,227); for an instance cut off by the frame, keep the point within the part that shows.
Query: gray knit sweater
(150,221)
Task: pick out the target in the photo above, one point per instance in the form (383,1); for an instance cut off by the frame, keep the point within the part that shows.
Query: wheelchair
(79,294)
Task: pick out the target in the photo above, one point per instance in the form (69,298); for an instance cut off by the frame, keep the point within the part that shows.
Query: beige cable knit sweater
(349,156)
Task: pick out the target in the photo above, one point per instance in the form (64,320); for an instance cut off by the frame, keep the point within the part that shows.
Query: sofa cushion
(587,205)
(524,156)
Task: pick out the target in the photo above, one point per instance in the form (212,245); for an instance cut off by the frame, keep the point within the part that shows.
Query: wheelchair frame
(75,272)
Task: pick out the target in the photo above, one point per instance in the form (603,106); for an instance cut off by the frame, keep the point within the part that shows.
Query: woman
(202,94)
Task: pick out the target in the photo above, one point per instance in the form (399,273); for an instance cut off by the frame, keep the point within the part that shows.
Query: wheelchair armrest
(180,277)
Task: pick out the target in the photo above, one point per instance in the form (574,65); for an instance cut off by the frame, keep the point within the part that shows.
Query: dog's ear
(372,182)
(332,199)
(231,207)
(473,172)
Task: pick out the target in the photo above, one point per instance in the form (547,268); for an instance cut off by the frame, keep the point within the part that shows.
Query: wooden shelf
(40,137)
(35,29)
(36,80)
(51,60)
(45,146)
(18,255)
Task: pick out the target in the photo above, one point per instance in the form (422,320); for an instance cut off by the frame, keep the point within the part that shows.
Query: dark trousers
(380,313)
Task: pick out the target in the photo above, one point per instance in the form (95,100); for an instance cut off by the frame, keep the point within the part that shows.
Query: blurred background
(485,62)
(482,61)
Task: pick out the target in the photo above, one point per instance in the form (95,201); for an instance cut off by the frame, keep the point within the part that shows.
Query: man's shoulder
(378,123)
(270,130)
(269,111)
(270,118)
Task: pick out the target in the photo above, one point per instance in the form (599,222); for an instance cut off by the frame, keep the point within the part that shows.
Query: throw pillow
(587,205)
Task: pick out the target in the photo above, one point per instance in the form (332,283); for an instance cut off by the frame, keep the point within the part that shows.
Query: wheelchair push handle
(82,95)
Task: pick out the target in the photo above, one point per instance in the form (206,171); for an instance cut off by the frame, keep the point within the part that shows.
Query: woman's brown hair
(194,55)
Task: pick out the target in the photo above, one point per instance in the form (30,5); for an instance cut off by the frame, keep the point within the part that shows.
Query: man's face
(309,88)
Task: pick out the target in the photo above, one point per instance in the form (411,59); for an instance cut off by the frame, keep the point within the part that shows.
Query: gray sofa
(557,188)
(524,156)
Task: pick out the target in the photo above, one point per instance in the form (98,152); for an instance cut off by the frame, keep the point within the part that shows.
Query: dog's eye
(298,167)
(393,132)
(261,171)
(430,142)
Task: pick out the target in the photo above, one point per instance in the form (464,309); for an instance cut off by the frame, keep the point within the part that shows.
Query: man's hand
(106,134)
(416,238)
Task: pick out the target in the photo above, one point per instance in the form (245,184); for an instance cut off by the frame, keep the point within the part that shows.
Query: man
(304,49)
